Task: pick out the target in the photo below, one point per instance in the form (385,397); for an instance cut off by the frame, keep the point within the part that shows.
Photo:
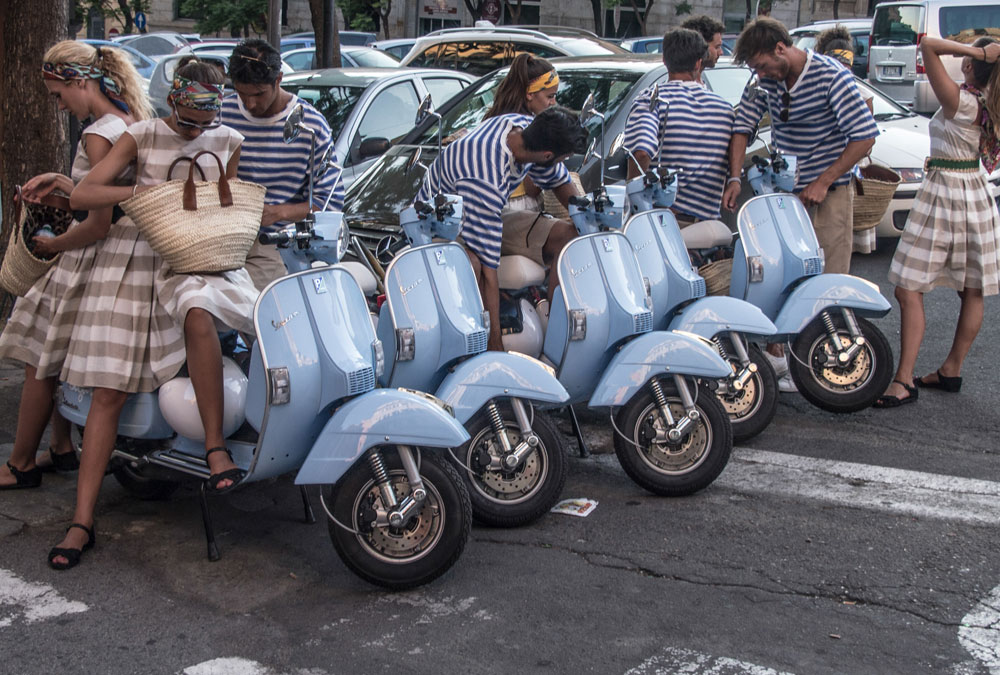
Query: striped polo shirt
(690,130)
(283,168)
(481,169)
(825,113)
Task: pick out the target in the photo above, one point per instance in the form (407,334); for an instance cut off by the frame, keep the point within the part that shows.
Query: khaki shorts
(833,221)
(264,265)
(525,233)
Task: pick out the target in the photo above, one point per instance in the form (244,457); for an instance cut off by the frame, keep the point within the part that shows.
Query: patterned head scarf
(197,95)
(79,71)
(989,144)
(845,56)
(543,81)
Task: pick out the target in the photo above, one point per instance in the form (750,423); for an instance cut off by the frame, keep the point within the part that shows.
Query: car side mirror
(373,147)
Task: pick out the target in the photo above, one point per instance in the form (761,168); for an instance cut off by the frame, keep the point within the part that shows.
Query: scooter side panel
(817,293)
(140,417)
(711,315)
(659,353)
(380,417)
(498,374)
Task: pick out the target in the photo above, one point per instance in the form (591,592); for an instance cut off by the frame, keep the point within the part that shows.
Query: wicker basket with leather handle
(873,192)
(21,268)
(200,227)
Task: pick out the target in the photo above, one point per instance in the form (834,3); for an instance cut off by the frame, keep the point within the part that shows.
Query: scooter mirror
(754,90)
(413,162)
(293,124)
(654,97)
(591,151)
(587,110)
(617,145)
(425,109)
(329,157)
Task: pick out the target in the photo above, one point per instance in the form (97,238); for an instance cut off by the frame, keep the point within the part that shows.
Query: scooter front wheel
(510,498)
(752,408)
(421,549)
(840,388)
(664,467)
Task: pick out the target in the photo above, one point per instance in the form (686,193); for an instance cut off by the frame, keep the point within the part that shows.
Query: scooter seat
(706,234)
(363,276)
(517,272)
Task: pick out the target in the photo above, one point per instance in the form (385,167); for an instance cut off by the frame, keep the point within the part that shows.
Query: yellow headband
(544,81)
(845,56)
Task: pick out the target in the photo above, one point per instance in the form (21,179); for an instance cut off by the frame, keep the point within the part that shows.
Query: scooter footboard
(651,354)
(380,417)
(491,374)
(711,315)
(825,291)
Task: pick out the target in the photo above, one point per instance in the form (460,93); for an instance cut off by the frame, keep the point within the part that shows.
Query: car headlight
(910,175)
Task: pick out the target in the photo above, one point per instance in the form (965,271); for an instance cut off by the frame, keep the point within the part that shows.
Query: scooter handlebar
(274,237)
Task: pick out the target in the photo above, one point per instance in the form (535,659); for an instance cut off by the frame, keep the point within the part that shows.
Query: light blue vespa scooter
(436,327)
(399,515)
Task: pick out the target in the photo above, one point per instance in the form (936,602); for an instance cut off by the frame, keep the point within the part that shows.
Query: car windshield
(897,25)
(373,58)
(589,47)
(334,102)
(610,87)
(966,23)
(805,40)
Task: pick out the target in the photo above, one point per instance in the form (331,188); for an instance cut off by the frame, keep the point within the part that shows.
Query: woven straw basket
(21,268)
(200,227)
(873,193)
(552,205)
(717,275)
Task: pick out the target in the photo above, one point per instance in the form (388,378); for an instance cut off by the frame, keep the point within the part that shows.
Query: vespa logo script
(280,324)
(640,246)
(406,289)
(578,272)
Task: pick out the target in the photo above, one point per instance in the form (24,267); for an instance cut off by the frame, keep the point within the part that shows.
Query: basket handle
(170,171)
(190,198)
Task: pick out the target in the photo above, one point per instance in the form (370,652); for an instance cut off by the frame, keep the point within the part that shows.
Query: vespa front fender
(652,354)
(825,291)
(491,374)
(380,417)
(716,314)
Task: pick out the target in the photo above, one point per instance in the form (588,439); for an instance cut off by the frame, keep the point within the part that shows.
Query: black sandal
(62,462)
(31,478)
(952,385)
(72,555)
(235,475)
(889,401)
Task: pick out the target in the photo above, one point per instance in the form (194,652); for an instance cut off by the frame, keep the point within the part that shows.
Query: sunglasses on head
(786,99)
(188,124)
(258,67)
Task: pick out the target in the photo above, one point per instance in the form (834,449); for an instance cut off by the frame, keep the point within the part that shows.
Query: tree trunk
(33,133)
(475,8)
(595,5)
(126,15)
(836,9)
(639,16)
(384,9)
(749,11)
(514,11)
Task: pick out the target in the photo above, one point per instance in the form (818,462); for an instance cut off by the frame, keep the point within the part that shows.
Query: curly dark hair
(254,62)
(556,130)
(760,36)
(705,25)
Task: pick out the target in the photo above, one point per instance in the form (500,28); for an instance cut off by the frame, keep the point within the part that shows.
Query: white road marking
(980,631)
(32,601)
(674,661)
(235,665)
(879,488)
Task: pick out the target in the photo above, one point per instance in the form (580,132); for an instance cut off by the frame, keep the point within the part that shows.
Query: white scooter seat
(363,276)
(517,272)
(706,234)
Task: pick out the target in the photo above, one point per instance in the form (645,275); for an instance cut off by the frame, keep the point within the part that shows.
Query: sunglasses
(257,67)
(188,124)
(786,99)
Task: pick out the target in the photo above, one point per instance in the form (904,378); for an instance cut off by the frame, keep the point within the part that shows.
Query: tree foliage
(239,17)
(122,11)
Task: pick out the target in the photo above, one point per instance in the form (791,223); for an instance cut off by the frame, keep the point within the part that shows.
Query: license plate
(892,71)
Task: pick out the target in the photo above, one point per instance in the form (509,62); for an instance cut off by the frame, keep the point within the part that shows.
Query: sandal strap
(220,448)
(29,477)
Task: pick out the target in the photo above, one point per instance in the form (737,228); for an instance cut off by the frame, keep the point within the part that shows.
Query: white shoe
(786,384)
(779,363)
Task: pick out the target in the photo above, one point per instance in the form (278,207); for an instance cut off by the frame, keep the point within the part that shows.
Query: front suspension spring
(377,466)
(661,400)
(828,322)
(721,347)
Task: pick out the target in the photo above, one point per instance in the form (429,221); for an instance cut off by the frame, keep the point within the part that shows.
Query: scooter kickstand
(581,443)
(213,549)
(308,516)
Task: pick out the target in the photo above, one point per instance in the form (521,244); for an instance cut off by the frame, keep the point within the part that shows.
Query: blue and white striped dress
(689,130)
(825,113)
(481,169)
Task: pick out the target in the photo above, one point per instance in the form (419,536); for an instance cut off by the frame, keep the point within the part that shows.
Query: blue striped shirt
(481,169)
(283,168)
(690,130)
(825,113)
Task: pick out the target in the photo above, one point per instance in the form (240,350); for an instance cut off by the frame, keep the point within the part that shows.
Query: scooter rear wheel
(840,389)
(663,467)
(415,553)
(518,497)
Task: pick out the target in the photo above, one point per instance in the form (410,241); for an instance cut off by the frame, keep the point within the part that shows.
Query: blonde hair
(114,63)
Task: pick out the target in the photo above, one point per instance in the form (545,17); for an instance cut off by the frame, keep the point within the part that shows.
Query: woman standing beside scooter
(100,85)
(950,238)
(138,318)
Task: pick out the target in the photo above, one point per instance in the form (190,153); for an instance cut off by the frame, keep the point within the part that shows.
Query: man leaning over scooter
(484,166)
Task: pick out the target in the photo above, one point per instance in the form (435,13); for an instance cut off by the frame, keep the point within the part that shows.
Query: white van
(894,62)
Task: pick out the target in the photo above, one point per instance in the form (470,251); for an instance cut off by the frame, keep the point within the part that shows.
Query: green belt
(951,164)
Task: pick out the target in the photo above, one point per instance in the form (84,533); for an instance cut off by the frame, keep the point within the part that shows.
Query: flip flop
(235,475)
(888,401)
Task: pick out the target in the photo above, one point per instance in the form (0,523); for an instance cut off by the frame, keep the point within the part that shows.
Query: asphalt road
(831,544)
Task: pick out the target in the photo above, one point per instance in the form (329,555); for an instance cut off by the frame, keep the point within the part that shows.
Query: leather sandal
(952,385)
(31,478)
(62,462)
(235,475)
(72,555)
(889,401)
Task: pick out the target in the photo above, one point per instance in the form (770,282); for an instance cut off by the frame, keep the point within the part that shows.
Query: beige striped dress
(39,328)
(950,238)
(130,335)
